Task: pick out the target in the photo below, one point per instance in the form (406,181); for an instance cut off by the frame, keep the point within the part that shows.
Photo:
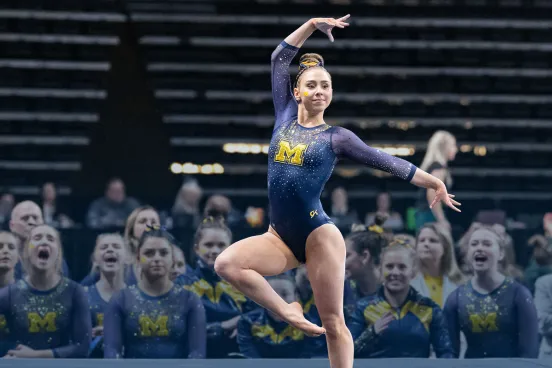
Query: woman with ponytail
(364,246)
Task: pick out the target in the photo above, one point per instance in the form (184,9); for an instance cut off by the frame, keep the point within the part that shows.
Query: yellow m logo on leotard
(37,323)
(483,322)
(150,328)
(288,155)
(100,318)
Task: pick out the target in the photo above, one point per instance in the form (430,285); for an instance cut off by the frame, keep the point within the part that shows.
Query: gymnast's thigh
(266,254)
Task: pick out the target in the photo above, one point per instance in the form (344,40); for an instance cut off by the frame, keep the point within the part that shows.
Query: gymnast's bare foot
(294,316)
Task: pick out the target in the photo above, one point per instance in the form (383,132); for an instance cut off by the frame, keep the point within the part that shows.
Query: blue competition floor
(269,363)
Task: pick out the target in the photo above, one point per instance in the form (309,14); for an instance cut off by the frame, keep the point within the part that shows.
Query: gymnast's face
(44,248)
(355,263)
(179,263)
(8,251)
(484,251)
(143,220)
(314,90)
(429,247)
(156,258)
(211,244)
(110,254)
(397,269)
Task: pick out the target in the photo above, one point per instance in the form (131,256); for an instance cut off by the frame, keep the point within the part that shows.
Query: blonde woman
(438,274)
(138,221)
(441,149)
(47,314)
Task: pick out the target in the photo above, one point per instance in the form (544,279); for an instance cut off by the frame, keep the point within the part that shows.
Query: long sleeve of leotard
(439,334)
(80,329)
(285,106)
(527,321)
(346,144)
(197,330)
(113,328)
(451,314)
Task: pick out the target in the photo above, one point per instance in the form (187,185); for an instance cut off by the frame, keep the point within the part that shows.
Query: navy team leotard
(301,160)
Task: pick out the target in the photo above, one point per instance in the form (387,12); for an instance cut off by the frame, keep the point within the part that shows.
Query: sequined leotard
(301,160)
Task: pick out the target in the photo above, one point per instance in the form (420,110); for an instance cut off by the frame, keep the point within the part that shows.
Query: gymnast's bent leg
(244,265)
(326,268)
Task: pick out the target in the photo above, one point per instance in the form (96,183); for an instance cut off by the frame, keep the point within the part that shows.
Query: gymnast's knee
(225,266)
(335,325)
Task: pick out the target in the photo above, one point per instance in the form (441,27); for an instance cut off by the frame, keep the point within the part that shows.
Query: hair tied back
(376,229)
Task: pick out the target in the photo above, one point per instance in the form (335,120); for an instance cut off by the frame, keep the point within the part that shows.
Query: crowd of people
(405,296)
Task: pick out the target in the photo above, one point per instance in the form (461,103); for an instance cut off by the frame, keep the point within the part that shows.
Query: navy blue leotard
(301,160)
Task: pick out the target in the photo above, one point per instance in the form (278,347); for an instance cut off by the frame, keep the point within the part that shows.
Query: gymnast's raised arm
(285,105)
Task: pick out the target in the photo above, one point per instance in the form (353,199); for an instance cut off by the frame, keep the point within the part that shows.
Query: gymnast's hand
(383,322)
(441,195)
(326,25)
(21,351)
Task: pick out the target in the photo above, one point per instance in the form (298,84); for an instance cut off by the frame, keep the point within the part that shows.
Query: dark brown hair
(372,238)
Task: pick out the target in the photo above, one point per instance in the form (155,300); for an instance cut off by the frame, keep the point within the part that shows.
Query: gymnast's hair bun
(310,60)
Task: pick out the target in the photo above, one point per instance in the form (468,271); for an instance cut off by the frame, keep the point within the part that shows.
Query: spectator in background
(219,206)
(109,260)
(9,256)
(541,261)
(180,266)
(223,303)
(496,313)
(8,259)
(25,217)
(47,314)
(394,220)
(390,323)
(113,209)
(507,263)
(341,215)
(185,211)
(7,201)
(139,221)
(441,150)
(364,247)
(543,303)
(155,319)
(261,334)
(51,210)
(439,274)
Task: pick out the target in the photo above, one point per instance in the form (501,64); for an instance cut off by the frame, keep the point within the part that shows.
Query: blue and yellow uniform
(169,326)
(261,336)
(419,324)
(501,324)
(5,342)
(56,319)
(301,160)
(222,302)
(98,306)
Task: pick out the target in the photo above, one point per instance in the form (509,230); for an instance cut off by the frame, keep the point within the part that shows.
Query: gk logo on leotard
(288,155)
(313,213)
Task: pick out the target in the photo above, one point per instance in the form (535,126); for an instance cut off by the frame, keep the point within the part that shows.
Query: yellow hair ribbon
(376,229)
